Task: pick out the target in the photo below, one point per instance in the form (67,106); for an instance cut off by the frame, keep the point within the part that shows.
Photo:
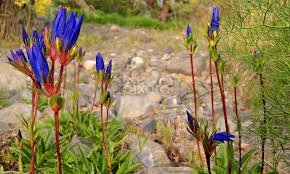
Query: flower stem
(105,143)
(33,118)
(211,93)
(194,100)
(56,125)
(94,100)
(239,129)
(264,132)
(222,93)
(78,87)
(208,164)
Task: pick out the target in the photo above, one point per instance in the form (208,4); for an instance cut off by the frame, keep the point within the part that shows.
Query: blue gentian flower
(38,63)
(72,30)
(109,69)
(20,54)
(58,25)
(35,36)
(100,66)
(222,137)
(215,20)
(25,37)
(188,31)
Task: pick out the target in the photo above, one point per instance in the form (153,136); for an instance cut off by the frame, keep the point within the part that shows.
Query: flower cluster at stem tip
(57,44)
(209,142)
(104,78)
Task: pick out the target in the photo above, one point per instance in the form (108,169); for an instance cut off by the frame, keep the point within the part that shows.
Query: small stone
(80,145)
(166,170)
(9,115)
(131,107)
(114,28)
(89,65)
(138,61)
(150,154)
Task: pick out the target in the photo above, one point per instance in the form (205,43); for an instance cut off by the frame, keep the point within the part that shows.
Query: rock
(9,115)
(131,107)
(11,80)
(114,28)
(180,64)
(150,126)
(166,170)
(89,65)
(80,145)
(150,154)
(4,127)
(87,94)
(138,61)
(166,56)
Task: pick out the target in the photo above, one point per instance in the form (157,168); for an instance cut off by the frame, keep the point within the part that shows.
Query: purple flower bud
(100,66)
(188,31)
(19,135)
(109,69)
(58,25)
(25,37)
(215,20)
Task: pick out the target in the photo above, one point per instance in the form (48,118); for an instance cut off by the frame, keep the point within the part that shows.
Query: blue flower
(188,31)
(25,37)
(58,25)
(215,20)
(35,36)
(72,30)
(222,137)
(109,69)
(100,66)
(38,63)
(20,54)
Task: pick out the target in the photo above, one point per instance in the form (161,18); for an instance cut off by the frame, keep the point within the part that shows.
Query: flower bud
(56,103)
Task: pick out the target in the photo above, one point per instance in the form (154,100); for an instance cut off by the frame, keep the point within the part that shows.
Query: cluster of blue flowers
(60,43)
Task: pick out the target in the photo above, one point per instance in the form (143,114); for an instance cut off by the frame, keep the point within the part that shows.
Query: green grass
(138,21)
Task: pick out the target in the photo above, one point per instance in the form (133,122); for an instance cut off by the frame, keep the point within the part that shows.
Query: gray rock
(9,115)
(4,127)
(86,94)
(80,145)
(149,126)
(150,154)
(12,81)
(181,64)
(131,107)
(166,170)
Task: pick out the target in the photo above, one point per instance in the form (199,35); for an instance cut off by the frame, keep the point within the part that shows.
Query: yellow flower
(42,6)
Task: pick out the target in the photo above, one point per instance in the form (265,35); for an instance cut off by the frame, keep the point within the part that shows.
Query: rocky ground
(151,89)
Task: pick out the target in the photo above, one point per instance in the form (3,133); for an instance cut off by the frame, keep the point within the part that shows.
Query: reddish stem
(107,117)
(194,100)
(211,92)
(56,122)
(64,82)
(32,133)
(222,97)
(59,80)
(264,132)
(94,100)
(105,143)
(239,129)
(75,83)
(78,82)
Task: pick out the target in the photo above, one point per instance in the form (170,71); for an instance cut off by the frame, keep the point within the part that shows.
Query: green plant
(166,133)
(80,159)
(257,33)
(247,163)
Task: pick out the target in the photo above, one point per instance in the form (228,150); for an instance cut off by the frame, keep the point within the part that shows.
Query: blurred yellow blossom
(42,7)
